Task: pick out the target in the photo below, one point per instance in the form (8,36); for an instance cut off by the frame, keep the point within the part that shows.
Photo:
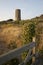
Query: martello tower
(17,14)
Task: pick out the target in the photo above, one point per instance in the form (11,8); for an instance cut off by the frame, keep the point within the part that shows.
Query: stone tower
(17,14)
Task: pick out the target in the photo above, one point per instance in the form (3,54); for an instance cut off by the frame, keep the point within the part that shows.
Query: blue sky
(29,8)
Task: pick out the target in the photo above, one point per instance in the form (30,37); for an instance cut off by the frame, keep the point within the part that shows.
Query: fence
(16,52)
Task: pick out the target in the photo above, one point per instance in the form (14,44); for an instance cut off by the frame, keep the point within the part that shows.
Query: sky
(29,8)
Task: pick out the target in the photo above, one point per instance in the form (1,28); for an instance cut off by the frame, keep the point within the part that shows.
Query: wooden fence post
(33,51)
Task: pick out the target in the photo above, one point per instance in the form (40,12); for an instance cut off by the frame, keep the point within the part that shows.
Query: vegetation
(28,32)
(12,45)
(19,30)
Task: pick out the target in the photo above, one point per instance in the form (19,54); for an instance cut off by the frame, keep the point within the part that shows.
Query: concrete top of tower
(18,9)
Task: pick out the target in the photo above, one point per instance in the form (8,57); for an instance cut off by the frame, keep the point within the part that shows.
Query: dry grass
(10,33)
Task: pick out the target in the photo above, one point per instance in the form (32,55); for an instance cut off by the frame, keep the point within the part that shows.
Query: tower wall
(17,14)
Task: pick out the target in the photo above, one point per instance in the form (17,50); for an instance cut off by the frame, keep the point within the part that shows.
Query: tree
(31,30)
(28,32)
